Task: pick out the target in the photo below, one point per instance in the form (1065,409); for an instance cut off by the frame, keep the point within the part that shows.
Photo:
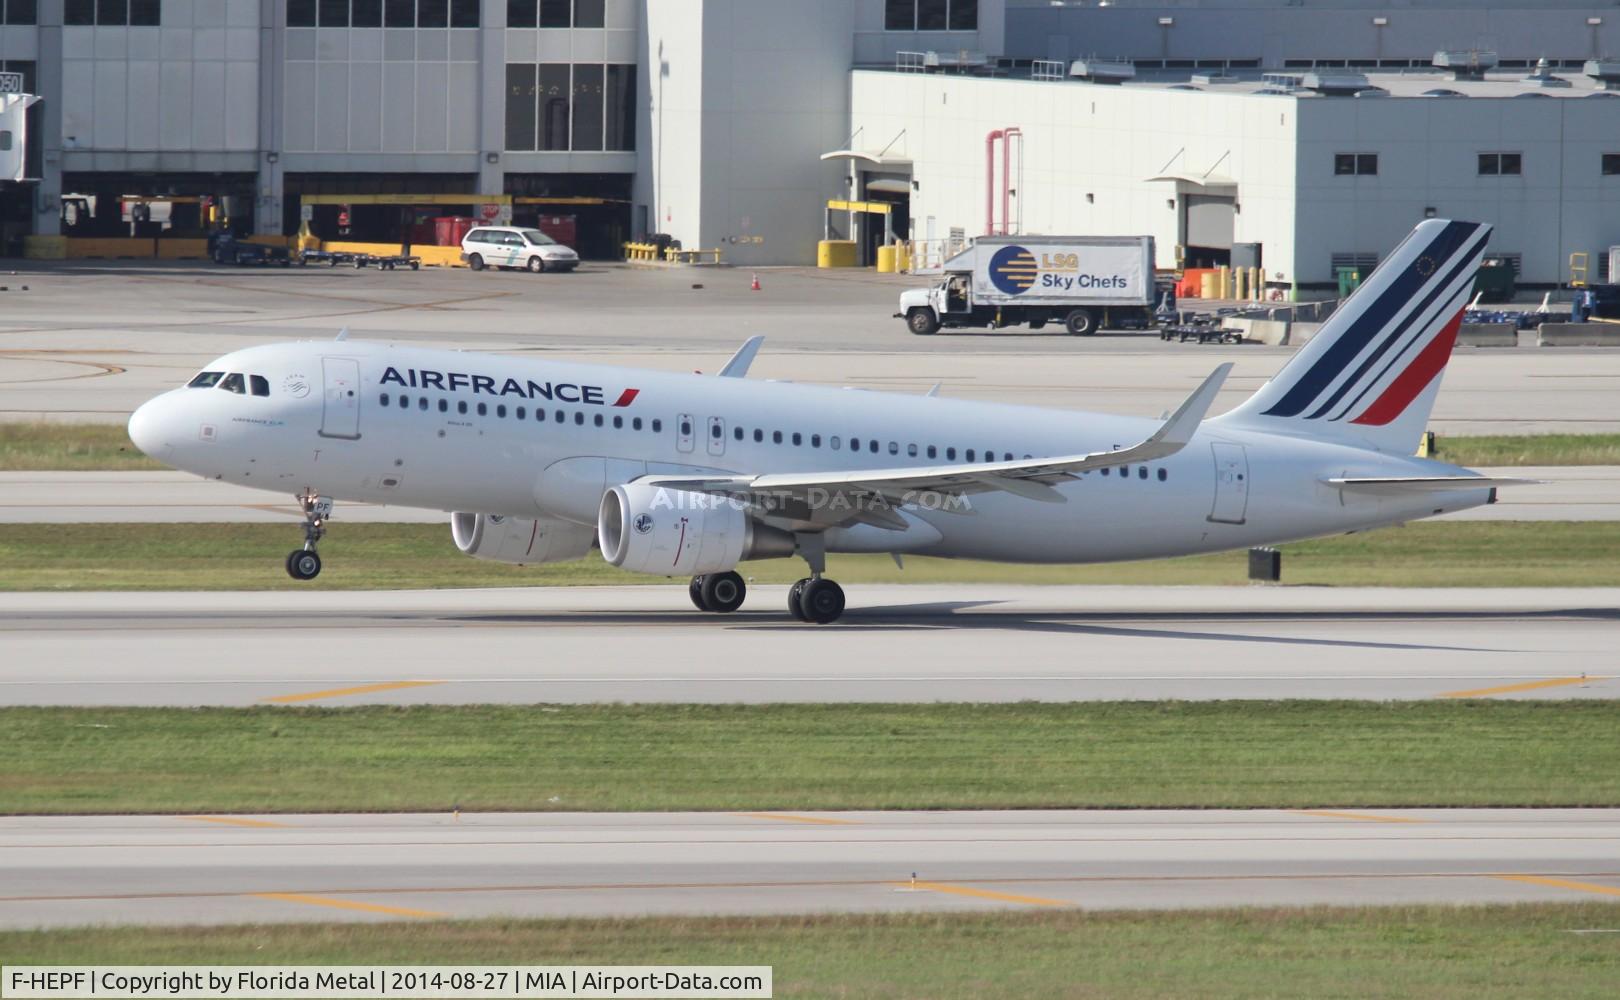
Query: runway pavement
(1570,493)
(897,643)
(63,871)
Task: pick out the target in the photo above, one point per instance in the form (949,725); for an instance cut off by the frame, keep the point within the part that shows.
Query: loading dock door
(340,413)
(1231,484)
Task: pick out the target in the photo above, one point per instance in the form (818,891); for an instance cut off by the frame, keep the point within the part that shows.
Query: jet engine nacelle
(649,529)
(519,539)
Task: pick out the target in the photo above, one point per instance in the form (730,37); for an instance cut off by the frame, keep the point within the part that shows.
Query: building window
(141,13)
(556,13)
(362,14)
(522,13)
(433,13)
(19,11)
(399,13)
(590,13)
(464,13)
(587,110)
(1355,164)
(1611,164)
(1497,164)
(521,92)
(556,107)
(333,13)
(931,15)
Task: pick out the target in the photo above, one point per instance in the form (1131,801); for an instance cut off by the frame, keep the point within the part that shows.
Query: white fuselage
(324,428)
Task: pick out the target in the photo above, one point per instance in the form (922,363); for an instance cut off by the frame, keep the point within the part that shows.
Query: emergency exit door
(1231,484)
(340,412)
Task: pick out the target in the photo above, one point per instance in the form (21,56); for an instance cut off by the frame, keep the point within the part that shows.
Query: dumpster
(448,230)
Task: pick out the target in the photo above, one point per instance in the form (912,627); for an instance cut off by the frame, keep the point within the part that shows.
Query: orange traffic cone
(755,284)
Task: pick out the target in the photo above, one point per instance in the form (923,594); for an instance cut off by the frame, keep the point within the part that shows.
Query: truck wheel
(922,322)
(1080,322)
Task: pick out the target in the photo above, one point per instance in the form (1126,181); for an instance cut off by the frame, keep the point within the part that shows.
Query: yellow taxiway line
(791,818)
(1562,883)
(1367,817)
(287,699)
(1551,682)
(962,890)
(236,821)
(344,904)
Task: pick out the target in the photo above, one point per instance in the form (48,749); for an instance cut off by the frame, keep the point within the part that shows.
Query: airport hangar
(733,124)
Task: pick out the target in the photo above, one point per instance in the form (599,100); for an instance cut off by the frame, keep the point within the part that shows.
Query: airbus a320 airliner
(689,475)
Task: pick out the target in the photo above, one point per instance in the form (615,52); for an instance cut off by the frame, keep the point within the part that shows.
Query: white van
(512,246)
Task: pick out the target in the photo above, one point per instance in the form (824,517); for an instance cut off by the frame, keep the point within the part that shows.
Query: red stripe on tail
(1423,370)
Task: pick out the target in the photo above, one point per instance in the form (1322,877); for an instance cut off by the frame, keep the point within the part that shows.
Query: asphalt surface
(91,341)
(896,643)
(65,871)
(1569,493)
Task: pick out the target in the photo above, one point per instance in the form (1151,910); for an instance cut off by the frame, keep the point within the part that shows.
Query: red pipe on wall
(1006,176)
(990,181)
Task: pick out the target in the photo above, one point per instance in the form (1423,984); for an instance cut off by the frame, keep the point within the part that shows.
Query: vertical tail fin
(1371,374)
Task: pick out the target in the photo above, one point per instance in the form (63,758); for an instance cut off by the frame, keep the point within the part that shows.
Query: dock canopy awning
(869,160)
(1198,183)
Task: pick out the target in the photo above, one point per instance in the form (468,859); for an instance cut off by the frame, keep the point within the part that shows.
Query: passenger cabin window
(205,380)
(260,384)
(234,383)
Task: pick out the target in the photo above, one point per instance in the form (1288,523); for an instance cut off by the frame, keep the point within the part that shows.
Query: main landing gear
(305,563)
(815,598)
(721,593)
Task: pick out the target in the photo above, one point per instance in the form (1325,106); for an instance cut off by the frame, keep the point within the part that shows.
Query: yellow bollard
(1225,290)
(888,258)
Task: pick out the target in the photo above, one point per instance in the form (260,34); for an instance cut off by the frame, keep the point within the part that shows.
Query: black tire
(416,265)
(536,265)
(724,592)
(796,599)
(694,590)
(922,322)
(303,564)
(331,262)
(476,261)
(822,601)
(1080,322)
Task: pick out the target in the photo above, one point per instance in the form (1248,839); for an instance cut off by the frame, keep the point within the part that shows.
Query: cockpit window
(205,380)
(234,383)
(261,385)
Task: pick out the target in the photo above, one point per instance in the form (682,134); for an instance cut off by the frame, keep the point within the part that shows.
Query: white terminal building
(1302,135)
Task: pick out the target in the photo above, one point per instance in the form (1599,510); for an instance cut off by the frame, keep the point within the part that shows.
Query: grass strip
(36,446)
(1276,754)
(1529,449)
(40,446)
(394,556)
(1435,952)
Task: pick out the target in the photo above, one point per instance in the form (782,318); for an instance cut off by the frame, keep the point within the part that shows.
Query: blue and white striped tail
(1371,374)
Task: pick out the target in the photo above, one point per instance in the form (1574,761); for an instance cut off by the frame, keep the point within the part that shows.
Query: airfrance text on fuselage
(562,392)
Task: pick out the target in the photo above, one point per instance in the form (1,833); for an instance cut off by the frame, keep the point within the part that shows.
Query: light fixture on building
(1091,199)
(1380,22)
(916,185)
(1169,203)
(1593,22)
(492,157)
(1428,211)
(1167,22)
(272,157)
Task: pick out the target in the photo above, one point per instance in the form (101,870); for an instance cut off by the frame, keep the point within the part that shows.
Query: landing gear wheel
(303,564)
(922,322)
(796,599)
(822,601)
(536,265)
(724,592)
(694,590)
(476,262)
(1080,322)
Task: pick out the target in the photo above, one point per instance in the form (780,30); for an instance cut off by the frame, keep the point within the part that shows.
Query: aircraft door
(340,410)
(684,433)
(717,435)
(1231,483)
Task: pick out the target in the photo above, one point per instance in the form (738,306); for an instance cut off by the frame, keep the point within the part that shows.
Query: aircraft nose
(147,431)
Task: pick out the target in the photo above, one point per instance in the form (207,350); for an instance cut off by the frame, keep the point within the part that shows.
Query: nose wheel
(721,593)
(305,563)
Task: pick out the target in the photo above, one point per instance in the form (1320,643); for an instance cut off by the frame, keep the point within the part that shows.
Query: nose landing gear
(815,598)
(305,563)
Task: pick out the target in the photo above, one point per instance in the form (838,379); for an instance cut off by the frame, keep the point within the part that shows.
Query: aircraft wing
(827,499)
(1407,485)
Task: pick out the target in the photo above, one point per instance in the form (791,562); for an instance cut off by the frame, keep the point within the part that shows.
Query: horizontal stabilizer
(1408,485)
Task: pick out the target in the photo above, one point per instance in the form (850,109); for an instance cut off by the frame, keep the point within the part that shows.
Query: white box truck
(1082,282)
